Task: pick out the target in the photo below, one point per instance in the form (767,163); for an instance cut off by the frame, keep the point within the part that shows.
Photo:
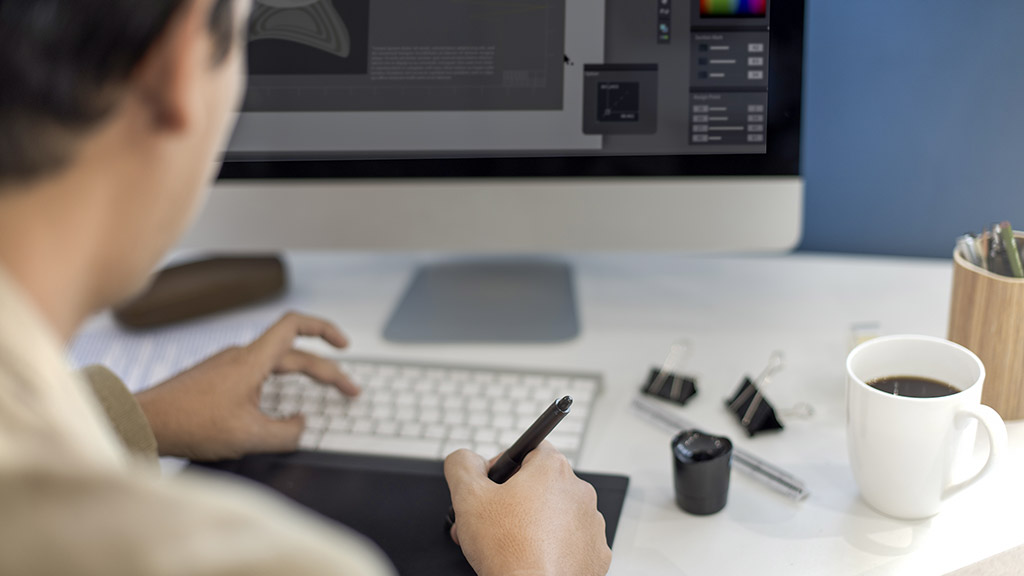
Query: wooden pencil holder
(987,317)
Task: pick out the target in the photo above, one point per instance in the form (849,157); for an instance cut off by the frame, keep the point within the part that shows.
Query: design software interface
(465,78)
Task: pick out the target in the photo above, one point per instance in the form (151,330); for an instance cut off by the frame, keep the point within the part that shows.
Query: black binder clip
(667,383)
(749,404)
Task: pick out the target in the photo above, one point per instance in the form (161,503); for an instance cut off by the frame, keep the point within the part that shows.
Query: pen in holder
(749,404)
(987,317)
(668,383)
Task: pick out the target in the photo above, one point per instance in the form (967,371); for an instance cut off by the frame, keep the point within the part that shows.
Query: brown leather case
(204,287)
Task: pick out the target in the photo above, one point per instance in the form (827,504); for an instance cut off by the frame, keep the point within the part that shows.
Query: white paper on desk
(145,358)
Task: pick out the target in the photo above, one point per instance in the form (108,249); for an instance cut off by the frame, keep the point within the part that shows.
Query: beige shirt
(73,500)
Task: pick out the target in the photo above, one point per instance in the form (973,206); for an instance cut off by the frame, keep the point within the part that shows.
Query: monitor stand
(492,301)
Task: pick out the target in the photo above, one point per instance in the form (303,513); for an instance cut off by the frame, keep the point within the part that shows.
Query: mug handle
(992,424)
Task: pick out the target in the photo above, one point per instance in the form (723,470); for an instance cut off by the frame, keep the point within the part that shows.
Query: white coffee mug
(904,450)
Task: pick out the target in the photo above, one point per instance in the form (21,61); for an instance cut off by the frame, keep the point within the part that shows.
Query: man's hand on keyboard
(543,521)
(212,411)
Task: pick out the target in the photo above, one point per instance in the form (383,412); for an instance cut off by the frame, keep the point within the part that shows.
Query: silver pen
(967,245)
(768,474)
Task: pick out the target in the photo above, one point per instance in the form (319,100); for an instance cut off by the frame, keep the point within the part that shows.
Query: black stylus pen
(512,459)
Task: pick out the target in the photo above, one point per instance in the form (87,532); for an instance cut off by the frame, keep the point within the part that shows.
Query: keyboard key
(565,442)
(315,421)
(503,406)
(487,450)
(362,426)
(504,421)
(411,372)
(436,432)
(359,409)
(477,419)
(454,402)
(453,417)
(312,406)
(385,397)
(309,440)
(453,445)
(387,428)
(340,425)
(530,408)
(430,416)
(288,407)
(485,435)
(411,430)
(460,433)
(508,437)
(572,423)
(545,395)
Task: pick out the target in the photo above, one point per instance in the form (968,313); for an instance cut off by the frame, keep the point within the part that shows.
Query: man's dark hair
(62,63)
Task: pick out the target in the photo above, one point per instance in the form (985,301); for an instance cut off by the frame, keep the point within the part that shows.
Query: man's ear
(166,79)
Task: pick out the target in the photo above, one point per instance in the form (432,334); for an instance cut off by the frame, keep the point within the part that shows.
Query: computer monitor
(516,126)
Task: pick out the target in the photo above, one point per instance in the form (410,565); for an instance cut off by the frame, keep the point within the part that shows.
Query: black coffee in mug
(912,386)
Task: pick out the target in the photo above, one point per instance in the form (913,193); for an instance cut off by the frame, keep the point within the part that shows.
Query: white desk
(736,311)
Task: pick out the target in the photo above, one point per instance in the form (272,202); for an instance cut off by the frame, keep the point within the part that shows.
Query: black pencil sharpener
(701,464)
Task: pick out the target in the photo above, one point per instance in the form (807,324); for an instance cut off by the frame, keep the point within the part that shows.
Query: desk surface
(736,311)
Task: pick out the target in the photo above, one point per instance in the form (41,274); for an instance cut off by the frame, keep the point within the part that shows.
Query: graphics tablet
(398,503)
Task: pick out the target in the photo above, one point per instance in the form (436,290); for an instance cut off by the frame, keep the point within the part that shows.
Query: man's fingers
(280,336)
(463,469)
(276,436)
(317,368)
(454,532)
(544,456)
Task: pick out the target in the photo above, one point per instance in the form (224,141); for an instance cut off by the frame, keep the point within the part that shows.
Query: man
(111,115)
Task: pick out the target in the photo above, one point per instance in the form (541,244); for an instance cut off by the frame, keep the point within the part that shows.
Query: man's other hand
(212,412)
(543,521)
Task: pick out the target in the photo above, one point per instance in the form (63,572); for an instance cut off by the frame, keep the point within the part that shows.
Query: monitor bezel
(786,49)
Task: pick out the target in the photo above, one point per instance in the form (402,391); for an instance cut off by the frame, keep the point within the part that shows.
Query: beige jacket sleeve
(124,412)
(1008,563)
(135,523)
(93,522)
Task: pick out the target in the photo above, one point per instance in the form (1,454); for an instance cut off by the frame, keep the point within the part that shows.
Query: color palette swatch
(726,8)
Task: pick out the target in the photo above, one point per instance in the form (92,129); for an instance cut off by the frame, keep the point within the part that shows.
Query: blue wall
(914,122)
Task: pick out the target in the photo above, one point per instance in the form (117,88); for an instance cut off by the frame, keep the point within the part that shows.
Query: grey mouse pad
(398,503)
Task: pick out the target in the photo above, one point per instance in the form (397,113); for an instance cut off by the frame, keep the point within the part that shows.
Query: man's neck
(48,244)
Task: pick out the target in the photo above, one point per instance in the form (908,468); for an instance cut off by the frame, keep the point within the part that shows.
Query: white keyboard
(429,411)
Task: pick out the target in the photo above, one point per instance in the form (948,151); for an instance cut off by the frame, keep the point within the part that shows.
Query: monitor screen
(520,88)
